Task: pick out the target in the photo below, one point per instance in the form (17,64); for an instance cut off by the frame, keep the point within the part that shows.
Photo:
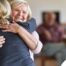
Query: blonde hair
(5,11)
(5,8)
(14,3)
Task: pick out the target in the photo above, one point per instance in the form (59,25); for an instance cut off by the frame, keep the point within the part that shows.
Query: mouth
(20,20)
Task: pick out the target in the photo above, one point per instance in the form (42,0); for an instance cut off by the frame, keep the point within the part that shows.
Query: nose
(20,13)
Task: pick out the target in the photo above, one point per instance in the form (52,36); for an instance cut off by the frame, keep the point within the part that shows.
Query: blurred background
(39,8)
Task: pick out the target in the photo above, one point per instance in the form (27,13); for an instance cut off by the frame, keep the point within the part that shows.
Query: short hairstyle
(18,2)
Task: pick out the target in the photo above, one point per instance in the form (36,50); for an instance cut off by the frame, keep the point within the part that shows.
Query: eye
(24,12)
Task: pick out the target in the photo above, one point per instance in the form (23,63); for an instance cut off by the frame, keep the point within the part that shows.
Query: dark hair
(56,13)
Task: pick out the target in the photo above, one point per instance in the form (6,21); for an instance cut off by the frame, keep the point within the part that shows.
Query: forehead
(50,14)
(20,6)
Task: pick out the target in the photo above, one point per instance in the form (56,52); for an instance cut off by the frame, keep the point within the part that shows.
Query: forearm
(38,48)
(47,35)
(28,38)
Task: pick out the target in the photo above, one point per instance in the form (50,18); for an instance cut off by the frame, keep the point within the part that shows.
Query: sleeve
(29,25)
(39,43)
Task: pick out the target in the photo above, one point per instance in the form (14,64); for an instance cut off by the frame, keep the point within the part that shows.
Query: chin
(19,20)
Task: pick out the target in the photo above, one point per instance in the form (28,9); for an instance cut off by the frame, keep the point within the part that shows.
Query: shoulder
(32,20)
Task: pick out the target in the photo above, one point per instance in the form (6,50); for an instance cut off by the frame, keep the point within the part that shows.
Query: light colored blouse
(39,46)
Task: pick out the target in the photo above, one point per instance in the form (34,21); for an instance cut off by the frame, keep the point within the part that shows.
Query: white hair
(18,2)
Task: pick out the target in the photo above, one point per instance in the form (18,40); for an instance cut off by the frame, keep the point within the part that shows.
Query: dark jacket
(15,52)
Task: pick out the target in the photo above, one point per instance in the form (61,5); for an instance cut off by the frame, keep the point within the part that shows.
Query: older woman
(22,12)
(19,50)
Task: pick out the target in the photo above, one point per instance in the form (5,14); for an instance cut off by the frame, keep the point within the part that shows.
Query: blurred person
(2,41)
(52,34)
(24,15)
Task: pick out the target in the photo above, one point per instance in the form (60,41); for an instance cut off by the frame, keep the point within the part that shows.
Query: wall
(38,6)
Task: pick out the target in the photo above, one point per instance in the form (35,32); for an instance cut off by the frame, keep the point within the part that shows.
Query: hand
(2,41)
(48,34)
(12,27)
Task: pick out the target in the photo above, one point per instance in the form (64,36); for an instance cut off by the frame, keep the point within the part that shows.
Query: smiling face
(20,12)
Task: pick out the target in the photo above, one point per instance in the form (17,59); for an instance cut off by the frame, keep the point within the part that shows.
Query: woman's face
(20,12)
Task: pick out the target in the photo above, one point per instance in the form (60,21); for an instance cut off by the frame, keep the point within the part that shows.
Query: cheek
(14,13)
(26,16)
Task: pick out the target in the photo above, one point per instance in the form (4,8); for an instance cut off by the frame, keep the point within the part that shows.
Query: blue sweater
(15,52)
